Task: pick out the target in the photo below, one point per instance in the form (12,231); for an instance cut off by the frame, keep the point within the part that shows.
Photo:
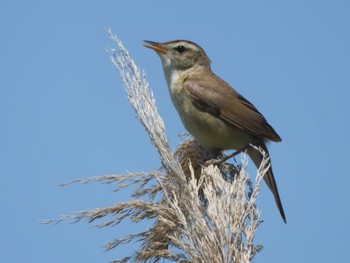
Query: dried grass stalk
(202,212)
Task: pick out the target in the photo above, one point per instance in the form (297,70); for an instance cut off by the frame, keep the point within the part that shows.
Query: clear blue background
(64,115)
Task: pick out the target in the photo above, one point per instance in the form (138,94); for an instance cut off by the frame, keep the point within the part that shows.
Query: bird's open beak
(157,47)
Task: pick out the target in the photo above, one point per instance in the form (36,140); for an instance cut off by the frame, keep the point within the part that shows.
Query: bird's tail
(256,156)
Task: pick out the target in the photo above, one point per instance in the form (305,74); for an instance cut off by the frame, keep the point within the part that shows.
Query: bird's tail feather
(256,156)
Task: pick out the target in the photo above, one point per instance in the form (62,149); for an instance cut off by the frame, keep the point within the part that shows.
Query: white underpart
(170,72)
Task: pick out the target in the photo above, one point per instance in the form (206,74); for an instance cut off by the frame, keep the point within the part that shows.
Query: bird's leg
(225,158)
(235,153)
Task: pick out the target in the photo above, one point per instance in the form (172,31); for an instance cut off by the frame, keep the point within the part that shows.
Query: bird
(215,114)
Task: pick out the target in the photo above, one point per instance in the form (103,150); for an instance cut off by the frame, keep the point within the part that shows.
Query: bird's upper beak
(157,47)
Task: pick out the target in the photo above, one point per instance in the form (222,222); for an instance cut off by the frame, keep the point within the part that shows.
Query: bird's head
(179,54)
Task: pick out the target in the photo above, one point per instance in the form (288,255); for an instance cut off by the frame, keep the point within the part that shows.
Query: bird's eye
(180,49)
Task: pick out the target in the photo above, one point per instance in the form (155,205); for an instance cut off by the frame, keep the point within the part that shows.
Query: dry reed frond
(202,212)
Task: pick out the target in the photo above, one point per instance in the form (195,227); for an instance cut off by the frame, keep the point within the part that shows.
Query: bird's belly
(213,133)
(210,131)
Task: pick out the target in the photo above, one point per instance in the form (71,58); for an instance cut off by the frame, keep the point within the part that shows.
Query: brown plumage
(239,112)
(210,109)
(223,102)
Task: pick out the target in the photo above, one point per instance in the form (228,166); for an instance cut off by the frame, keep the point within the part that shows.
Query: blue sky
(64,115)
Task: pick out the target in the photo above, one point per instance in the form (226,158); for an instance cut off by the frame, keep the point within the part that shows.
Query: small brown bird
(210,109)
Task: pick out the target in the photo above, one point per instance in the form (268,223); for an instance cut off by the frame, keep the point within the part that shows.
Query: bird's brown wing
(215,96)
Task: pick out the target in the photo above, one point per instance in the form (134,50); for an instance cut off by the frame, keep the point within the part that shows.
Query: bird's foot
(225,158)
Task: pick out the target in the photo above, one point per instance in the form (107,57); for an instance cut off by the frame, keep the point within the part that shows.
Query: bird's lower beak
(157,47)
